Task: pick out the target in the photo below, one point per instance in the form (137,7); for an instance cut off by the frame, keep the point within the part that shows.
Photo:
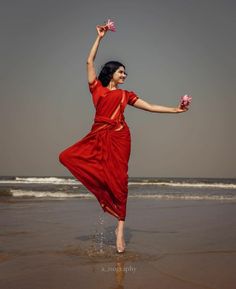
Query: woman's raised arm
(91,72)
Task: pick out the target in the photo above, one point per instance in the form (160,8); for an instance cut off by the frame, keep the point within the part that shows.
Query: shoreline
(170,244)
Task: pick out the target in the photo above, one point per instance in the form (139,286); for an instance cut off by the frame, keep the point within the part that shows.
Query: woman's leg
(120,241)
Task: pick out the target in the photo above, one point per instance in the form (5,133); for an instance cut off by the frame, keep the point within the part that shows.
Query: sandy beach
(68,244)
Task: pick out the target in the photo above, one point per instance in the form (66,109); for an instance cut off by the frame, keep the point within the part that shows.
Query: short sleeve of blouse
(94,88)
(132,97)
(96,84)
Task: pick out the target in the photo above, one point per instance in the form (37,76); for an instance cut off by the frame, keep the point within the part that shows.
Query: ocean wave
(190,185)
(145,182)
(169,196)
(186,197)
(47,194)
(44,180)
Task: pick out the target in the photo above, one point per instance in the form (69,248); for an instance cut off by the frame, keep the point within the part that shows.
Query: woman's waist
(111,121)
(101,121)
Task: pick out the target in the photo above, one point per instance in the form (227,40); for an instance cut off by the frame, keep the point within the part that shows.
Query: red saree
(100,159)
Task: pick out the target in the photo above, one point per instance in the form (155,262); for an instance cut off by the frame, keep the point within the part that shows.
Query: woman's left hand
(178,109)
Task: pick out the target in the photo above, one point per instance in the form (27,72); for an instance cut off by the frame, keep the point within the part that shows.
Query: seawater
(139,187)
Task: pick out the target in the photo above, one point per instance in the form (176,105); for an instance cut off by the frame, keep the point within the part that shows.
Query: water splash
(99,235)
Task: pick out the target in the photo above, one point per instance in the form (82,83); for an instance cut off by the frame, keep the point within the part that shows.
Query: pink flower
(110,25)
(185,101)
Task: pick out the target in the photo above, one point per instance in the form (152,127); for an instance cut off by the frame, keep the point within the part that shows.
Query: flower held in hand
(185,101)
(110,25)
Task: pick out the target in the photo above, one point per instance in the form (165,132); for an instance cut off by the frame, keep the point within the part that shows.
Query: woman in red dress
(100,160)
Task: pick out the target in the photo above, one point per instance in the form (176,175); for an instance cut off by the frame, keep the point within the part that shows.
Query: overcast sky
(170,48)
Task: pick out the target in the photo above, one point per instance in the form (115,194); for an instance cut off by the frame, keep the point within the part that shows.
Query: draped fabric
(100,159)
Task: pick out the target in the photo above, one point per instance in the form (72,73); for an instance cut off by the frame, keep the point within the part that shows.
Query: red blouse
(100,92)
(110,104)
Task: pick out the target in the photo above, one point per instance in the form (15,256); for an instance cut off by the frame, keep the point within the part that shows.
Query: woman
(100,159)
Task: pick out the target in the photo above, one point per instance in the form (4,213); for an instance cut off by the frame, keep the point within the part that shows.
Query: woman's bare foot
(120,242)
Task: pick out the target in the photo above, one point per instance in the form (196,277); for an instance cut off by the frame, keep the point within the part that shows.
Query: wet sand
(68,244)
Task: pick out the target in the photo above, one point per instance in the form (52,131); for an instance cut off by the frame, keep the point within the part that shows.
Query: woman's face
(119,76)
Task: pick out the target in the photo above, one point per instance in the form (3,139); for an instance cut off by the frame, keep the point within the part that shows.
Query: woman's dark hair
(107,71)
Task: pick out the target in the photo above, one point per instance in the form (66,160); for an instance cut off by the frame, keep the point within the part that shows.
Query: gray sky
(170,48)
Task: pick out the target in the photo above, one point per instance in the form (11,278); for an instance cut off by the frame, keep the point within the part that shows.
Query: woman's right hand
(101,29)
